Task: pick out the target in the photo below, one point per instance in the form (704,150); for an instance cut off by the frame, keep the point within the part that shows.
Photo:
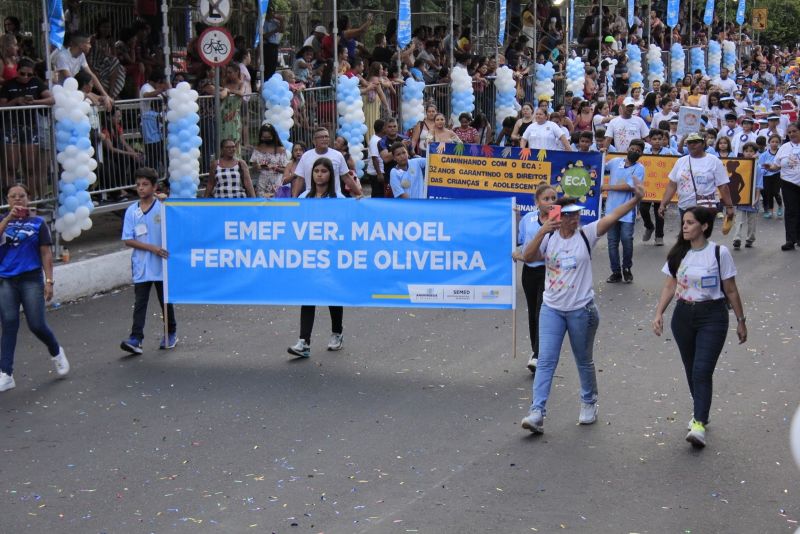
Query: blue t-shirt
(19,246)
(766,157)
(664,151)
(410,181)
(529,226)
(620,174)
(144,227)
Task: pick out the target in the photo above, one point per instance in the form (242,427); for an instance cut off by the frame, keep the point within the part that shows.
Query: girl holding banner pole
(568,301)
(323,185)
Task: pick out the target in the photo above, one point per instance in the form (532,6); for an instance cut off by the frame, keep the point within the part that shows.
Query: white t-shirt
(374,152)
(741,138)
(659,116)
(623,131)
(698,276)
(728,85)
(308,159)
(709,174)
(65,61)
(788,157)
(568,283)
(544,136)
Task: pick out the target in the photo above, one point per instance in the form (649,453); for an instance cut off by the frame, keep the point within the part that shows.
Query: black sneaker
(648,233)
(614,278)
(737,244)
(627,276)
(748,244)
(787,246)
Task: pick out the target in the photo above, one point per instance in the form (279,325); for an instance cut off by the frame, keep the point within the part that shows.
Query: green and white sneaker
(697,434)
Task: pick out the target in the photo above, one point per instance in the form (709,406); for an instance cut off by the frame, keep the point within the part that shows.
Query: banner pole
(514,228)
(164,283)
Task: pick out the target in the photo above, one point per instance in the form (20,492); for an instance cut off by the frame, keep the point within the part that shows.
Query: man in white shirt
(321,149)
(696,178)
(69,61)
(375,162)
(726,84)
(626,127)
(315,39)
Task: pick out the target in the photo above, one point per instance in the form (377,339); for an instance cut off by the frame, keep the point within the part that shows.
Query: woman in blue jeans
(703,277)
(568,302)
(24,252)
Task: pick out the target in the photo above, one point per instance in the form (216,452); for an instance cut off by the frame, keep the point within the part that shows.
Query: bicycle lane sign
(215,46)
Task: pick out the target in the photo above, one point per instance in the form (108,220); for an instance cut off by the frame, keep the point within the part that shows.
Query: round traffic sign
(215,46)
(215,12)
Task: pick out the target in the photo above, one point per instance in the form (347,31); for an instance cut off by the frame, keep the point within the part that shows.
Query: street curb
(88,277)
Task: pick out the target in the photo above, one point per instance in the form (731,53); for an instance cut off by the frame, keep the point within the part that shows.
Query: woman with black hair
(323,185)
(703,276)
(269,159)
(649,109)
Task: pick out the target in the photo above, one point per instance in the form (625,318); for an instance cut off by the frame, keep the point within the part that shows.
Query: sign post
(216,49)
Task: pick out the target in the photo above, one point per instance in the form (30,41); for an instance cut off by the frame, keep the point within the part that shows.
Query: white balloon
(82,213)
(86,224)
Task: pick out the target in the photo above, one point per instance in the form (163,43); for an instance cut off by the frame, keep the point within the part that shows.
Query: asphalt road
(413,427)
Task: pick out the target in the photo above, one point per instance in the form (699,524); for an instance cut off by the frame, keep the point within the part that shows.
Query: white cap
(629,102)
(321,29)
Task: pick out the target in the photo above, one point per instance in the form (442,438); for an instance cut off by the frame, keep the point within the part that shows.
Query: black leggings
(533,285)
(307,321)
(772,191)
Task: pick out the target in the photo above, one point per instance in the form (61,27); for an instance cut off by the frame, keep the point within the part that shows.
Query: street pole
(452,39)
(566,36)
(691,21)
(600,34)
(218,112)
(165,37)
(335,79)
(649,24)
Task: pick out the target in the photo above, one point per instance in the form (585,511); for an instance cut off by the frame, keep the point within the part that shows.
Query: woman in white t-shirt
(544,134)
(787,160)
(568,301)
(702,275)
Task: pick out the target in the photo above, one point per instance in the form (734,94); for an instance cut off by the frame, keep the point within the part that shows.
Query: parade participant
(657,139)
(24,253)
(723,148)
(568,302)
(747,135)
(229,176)
(269,159)
(422,131)
(730,129)
(408,176)
(322,149)
(623,175)
(544,134)
(626,127)
(772,178)
(746,213)
(525,120)
(533,273)
(787,161)
(141,231)
(696,178)
(702,276)
(374,170)
(323,185)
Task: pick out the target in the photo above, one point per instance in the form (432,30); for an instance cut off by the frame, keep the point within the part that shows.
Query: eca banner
(741,173)
(343,252)
(475,171)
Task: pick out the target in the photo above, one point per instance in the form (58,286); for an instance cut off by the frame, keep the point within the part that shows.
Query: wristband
(48,281)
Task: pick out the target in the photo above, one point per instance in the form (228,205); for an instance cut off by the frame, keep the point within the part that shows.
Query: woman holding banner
(568,300)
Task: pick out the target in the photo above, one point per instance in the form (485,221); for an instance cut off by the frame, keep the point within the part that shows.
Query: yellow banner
(487,174)
(741,173)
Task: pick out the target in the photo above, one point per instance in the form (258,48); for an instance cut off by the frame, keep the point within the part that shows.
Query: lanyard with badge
(140,227)
(707,201)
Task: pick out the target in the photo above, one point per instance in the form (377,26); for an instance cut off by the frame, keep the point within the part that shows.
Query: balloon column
(183,141)
(697,60)
(352,122)
(278,102)
(714,59)
(75,153)
(544,88)
(505,96)
(413,110)
(677,63)
(655,65)
(462,99)
(634,54)
(729,55)
(576,76)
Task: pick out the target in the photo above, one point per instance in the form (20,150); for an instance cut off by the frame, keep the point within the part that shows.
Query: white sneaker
(533,362)
(61,363)
(6,382)
(336,341)
(697,434)
(301,348)
(534,422)
(588,414)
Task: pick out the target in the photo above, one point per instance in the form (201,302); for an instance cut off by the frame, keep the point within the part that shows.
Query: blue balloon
(83,197)
(71,203)
(81,184)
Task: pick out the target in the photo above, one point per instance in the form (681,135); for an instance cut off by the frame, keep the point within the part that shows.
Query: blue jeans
(553,324)
(26,289)
(620,231)
(700,330)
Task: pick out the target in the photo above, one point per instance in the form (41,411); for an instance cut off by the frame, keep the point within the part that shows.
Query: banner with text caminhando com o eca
(483,171)
(344,252)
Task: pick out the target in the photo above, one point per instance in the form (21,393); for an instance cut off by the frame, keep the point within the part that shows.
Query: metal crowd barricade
(316,108)
(484,99)
(439,94)
(26,153)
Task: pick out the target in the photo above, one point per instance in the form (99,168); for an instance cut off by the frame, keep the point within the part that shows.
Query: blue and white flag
(55,16)
(708,15)
(501,31)
(404,24)
(262,13)
(630,13)
(673,11)
(740,12)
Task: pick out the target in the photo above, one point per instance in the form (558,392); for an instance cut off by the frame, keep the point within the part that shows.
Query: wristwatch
(741,319)
(48,281)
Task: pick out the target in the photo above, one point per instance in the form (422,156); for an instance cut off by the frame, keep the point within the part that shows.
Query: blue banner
(404,24)
(630,13)
(55,16)
(673,11)
(343,252)
(263,5)
(501,31)
(740,12)
(475,171)
(708,14)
